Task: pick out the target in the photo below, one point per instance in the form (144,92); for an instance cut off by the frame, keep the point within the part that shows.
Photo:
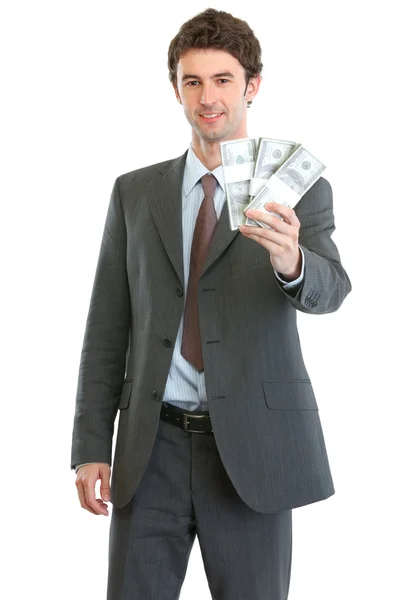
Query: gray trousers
(185,492)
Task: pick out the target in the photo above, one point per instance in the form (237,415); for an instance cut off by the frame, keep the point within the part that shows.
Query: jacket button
(167,343)
(156,396)
(179,291)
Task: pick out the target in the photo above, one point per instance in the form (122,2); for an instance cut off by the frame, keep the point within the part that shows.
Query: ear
(177,94)
(252,88)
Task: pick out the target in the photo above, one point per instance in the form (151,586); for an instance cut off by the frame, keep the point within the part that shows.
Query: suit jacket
(262,406)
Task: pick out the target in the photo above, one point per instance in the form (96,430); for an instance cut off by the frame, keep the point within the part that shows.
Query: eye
(192,83)
(223,80)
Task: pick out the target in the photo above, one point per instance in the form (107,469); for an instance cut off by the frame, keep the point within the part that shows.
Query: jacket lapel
(165,200)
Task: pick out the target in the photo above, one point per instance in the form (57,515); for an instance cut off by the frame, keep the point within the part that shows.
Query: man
(191,334)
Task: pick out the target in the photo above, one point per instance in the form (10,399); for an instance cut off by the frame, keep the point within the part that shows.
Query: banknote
(271,154)
(238,158)
(290,182)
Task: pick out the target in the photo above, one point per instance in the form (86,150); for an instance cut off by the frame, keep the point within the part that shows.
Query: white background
(86,97)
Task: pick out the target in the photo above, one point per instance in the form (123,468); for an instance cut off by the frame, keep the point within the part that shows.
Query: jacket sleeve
(105,343)
(326,283)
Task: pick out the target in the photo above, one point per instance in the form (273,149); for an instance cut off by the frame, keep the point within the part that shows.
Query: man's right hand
(86,481)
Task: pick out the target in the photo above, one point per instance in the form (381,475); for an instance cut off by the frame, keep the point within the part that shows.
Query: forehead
(205,63)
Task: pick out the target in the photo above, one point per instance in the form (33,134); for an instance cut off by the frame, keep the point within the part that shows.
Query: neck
(209,152)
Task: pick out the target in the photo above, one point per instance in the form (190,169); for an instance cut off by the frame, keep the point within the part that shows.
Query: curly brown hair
(218,30)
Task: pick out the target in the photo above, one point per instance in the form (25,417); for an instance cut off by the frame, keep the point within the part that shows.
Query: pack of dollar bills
(265,171)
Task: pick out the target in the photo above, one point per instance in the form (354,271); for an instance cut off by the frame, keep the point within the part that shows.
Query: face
(211,87)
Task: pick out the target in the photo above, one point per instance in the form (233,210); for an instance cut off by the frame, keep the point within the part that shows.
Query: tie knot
(209,184)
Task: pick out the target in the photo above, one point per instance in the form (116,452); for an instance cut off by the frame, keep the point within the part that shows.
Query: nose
(208,95)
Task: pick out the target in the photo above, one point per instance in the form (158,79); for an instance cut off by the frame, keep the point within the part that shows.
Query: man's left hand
(281,241)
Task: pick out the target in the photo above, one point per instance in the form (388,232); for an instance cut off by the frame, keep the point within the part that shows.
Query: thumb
(105,483)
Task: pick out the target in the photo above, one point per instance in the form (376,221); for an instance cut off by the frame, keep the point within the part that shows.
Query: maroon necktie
(203,232)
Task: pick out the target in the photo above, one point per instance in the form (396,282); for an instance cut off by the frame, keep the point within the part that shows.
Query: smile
(211,116)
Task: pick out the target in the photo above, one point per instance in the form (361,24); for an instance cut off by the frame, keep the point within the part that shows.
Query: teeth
(212,116)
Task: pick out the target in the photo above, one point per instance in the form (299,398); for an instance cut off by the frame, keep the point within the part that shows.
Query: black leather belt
(190,421)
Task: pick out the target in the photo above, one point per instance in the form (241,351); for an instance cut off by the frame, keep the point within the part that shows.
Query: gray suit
(262,406)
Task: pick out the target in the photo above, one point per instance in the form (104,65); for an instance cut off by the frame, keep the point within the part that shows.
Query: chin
(212,136)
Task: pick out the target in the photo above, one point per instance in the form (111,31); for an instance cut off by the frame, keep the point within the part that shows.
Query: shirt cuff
(290,284)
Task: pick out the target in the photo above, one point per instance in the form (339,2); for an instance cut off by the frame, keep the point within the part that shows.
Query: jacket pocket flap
(293,394)
(125,395)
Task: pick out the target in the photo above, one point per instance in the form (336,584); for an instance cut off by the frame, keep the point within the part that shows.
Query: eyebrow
(224,74)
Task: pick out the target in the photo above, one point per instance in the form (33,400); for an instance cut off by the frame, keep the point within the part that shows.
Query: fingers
(268,236)
(286,212)
(289,221)
(89,487)
(271,220)
(82,497)
(265,232)
(281,233)
(85,483)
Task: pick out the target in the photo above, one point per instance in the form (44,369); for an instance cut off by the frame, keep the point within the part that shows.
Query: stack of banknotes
(267,170)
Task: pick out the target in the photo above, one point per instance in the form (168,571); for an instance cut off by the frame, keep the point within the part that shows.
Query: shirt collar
(194,169)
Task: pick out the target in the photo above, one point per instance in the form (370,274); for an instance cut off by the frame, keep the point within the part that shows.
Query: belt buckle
(185,422)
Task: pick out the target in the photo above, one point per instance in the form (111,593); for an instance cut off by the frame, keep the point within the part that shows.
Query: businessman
(191,335)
